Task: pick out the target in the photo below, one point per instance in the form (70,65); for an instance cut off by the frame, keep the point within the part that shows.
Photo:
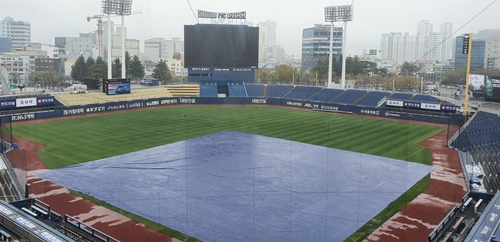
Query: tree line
(98,68)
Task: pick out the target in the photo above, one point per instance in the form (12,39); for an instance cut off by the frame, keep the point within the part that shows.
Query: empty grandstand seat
(236,90)
(349,96)
(326,95)
(372,98)
(277,90)
(254,89)
(209,89)
(400,96)
(302,92)
(425,98)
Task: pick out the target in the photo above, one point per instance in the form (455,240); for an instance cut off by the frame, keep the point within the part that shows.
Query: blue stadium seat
(208,90)
(372,98)
(400,96)
(255,89)
(236,90)
(277,90)
(425,98)
(326,95)
(349,96)
(302,92)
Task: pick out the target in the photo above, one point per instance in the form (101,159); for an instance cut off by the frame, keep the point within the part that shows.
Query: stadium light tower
(122,8)
(338,14)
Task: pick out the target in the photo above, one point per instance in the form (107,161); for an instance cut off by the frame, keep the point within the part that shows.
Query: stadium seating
(349,96)
(372,98)
(425,98)
(302,92)
(254,89)
(400,96)
(209,89)
(278,90)
(482,116)
(98,97)
(184,90)
(326,95)
(236,90)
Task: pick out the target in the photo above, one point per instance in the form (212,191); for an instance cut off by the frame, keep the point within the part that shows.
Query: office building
(477,54)
(159,48)
(492,53)
(5,45)
(316,45)
(131,45)
(74,47)
(18,31)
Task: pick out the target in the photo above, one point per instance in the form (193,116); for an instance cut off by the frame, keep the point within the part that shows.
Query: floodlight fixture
(334,14)
(118,7)
(338,13)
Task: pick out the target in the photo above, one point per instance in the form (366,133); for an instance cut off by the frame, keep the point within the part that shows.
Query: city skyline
(166,20)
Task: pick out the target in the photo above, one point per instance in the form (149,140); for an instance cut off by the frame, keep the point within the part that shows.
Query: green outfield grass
(77,140)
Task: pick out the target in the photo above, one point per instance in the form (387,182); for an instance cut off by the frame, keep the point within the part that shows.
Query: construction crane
(100,31)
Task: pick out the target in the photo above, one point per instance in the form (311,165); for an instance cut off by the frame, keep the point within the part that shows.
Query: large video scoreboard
(221,46)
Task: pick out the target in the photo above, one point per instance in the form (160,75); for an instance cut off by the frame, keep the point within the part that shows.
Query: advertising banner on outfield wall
(317,106)
(26,102)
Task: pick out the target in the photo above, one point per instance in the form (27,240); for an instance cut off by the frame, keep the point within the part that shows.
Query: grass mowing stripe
(96,137)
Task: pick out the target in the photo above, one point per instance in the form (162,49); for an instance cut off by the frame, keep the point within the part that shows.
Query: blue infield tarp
(232,186)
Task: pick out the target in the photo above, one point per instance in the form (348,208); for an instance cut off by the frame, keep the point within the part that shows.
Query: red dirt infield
(64,202)
(447,187)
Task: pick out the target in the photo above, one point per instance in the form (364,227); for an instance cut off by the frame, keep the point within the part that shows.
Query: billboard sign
(117,86)
(26,102)
(465,47)
(430,106)
(394,103)
(222,16)
(476,82)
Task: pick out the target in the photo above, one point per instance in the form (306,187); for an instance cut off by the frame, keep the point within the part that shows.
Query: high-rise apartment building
(267,37)
(424,27)
(18,31)
(399,47)
(446,28)
(316,45)
(159,48)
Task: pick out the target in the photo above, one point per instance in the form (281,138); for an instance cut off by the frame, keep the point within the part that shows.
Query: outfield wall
(62,111)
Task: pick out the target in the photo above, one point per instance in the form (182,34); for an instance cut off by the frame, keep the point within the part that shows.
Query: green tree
(408,69)
(128,63)
(136,69)
(99,60)
(79,70)
(90,61)
(116,69)
(48,78)
(284,73)
(161,72)
(321,69)
(98,71)
(263,75)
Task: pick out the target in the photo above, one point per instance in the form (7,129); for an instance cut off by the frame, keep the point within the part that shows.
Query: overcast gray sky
(161,18)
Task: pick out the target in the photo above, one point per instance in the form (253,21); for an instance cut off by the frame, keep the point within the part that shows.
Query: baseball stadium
(223,158)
